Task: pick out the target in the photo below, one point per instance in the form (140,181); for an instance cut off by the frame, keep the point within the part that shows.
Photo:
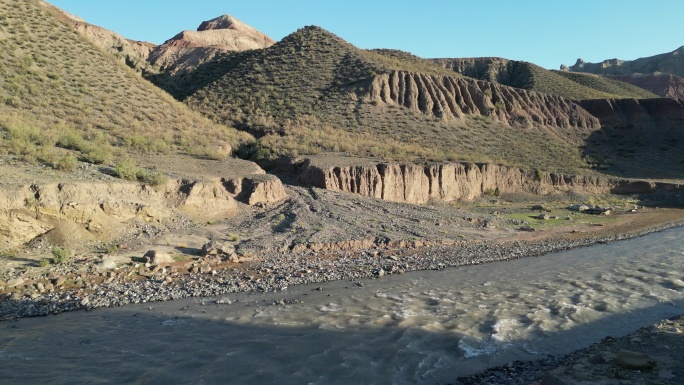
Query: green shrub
(127,169)
(44,262)
(66,163)
(60,255)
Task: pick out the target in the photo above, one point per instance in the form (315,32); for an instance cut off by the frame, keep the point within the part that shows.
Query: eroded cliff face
(416,184)
(612,112)
(102,211)
(451,97)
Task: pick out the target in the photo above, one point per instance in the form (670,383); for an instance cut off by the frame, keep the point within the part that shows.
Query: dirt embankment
(451,97)
(82,211)
(412,183)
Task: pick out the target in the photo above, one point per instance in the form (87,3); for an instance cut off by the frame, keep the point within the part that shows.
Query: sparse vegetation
(128,169)
(60,255)
(59,92)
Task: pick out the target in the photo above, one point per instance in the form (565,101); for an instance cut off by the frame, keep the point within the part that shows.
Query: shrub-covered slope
(58,90)
(314,92)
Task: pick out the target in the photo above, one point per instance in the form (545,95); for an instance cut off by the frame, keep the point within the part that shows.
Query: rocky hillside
(526,75)
(59,92)
(669,63)
(665,85)
(314,92)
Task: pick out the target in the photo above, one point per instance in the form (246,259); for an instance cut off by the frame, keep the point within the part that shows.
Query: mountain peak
(223,22)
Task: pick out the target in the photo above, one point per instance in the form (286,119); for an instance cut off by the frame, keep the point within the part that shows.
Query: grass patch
(560,221)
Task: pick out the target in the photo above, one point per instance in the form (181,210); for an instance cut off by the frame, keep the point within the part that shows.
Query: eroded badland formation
(200,158)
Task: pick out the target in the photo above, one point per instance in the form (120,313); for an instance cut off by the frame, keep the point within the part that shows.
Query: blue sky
(548,33)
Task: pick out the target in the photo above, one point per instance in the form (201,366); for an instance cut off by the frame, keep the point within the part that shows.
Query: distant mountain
(59,92)
(189,49)
(669,63)
(181,53)
(529,76)
(313,92)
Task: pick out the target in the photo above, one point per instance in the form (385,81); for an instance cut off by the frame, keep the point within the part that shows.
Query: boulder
(540,208)
(634,360)
(15,282)
(578,207)
(156,257)
(218,249)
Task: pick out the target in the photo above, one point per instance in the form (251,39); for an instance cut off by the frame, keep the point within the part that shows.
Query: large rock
(156,257)
(634,360)
(15,282)
(219,249)
(257,189)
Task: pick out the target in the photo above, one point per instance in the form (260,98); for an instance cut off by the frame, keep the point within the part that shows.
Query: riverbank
(650,355)
(86,283)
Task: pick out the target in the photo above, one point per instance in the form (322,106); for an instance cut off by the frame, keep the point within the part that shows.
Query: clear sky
(545,32)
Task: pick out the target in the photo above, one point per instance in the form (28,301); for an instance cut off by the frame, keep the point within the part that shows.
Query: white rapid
(424,327)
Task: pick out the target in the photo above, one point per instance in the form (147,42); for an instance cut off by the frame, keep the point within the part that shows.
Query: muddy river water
(418,328)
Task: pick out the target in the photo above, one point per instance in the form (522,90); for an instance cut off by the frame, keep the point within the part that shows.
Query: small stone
(40,286)
(542,217)
(634,360)
(15,296)
(59,281)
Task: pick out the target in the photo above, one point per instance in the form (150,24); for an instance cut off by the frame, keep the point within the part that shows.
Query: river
(419,328)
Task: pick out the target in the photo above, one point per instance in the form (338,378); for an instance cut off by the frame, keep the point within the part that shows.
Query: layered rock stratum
(411,183)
